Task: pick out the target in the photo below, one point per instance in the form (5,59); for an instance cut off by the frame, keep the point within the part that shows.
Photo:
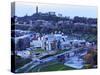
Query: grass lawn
(62,51)
(55,67)
(50,66)
(19,62)
(38,51)
(25,69)
(90,37)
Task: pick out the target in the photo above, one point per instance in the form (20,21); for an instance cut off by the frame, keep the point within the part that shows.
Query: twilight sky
(23,8)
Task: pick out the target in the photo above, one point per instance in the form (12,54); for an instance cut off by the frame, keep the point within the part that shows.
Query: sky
(23,8)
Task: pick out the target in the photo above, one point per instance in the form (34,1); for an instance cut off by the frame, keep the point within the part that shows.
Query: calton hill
(45,23)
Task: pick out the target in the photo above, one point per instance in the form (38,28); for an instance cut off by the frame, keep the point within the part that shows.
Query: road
(43,61)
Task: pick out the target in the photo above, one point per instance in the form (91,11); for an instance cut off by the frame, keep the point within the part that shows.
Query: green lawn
(62,51)
(38,51)
(51,66)
(55,67)
(90,37)
(19,62)
(25,69)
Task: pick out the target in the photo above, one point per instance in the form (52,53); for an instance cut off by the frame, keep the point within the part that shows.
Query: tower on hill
(36,9)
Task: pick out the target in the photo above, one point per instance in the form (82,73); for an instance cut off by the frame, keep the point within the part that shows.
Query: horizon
(22,9)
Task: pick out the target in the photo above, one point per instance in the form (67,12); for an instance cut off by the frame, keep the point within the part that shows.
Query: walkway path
(26,65)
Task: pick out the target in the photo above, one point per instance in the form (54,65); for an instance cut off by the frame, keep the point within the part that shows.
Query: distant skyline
(23,8)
